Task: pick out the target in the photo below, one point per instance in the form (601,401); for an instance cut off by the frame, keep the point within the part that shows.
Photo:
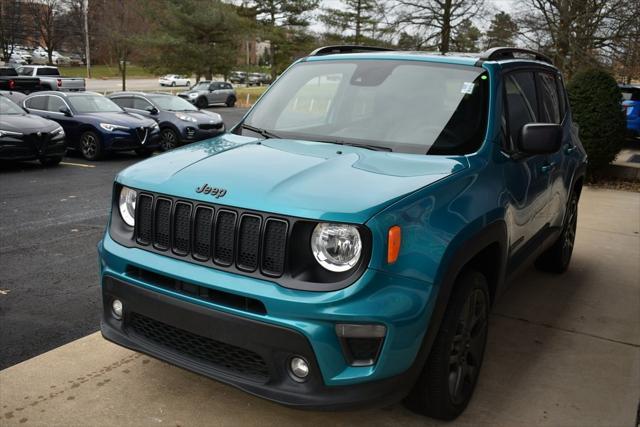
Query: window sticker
(467,88)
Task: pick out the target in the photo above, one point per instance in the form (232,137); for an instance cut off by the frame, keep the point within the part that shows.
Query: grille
(221,236)
(215,353)
(209,126)
(141,133)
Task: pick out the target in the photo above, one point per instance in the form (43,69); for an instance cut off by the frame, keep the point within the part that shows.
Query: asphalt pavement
(52,220)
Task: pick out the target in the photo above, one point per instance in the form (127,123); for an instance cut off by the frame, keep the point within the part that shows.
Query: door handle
(569,149)
(548,167)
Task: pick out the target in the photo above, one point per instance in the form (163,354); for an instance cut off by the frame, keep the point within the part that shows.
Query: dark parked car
(29,137)
(180,122)
(94,124)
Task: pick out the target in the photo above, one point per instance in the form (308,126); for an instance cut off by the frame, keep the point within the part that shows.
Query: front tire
(188,84)
(231,101)
(173,84)
(91,146)
(450,374)
(202,103)
(168,139)
(556,259)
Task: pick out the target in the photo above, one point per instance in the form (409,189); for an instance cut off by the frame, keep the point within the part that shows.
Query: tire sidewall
(98,146)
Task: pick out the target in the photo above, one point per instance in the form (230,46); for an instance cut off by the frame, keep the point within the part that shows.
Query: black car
(180,122)
(94,124)
(28,137)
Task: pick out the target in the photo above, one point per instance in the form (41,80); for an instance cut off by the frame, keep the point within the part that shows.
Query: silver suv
(206,93)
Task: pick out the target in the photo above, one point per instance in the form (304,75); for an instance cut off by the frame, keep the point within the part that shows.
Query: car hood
(26,123)
(196,91)
(290,177)
(121,118)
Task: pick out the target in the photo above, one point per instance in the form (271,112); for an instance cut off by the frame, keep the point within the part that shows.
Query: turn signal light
(393,245)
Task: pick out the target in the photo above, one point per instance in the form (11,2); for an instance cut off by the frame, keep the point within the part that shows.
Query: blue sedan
(631,105)
(94,124)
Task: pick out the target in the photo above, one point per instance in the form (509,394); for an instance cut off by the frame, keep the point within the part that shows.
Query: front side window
(55,103)
(404,106)
(141,104)
(93,104)
(549,103)
(48,71)
(124,101)
(522,105)
(25,71)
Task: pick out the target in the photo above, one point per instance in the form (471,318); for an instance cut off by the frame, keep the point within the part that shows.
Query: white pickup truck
(51,79)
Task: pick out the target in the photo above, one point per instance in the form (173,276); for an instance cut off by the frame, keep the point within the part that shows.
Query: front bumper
(295,323)
(194,133)
(129,140)
(30,149)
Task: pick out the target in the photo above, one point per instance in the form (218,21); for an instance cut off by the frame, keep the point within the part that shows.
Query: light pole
(85,10)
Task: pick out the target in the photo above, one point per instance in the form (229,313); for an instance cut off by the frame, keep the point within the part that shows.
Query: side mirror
(540,138)
(65,110)
(152,110)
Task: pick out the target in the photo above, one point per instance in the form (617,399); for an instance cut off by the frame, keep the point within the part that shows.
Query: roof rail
(328,50)
(497,53)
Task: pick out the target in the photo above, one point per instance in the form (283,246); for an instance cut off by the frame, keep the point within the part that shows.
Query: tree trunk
(446,27)
(358,21)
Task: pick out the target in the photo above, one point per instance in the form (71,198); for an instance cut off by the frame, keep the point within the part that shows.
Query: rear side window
(522,104)
(25,71)
(228,86)
(549,104)
(124,102)
(55,103)
(48,72)
(36,103)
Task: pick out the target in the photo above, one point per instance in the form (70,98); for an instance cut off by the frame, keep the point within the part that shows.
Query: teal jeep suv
(343,244)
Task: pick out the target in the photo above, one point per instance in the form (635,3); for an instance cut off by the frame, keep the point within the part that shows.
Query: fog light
(116,308)
(299,368)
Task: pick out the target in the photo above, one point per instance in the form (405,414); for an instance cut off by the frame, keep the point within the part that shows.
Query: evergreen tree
(502,31)
(359,16)
(466,37)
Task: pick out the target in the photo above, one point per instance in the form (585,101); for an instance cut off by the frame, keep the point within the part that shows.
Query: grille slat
(162,223)
(182,228)
(248,242)
(203,225)
(225,237)
(224,240)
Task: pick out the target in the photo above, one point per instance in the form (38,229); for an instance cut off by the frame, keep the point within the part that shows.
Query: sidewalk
(563,350)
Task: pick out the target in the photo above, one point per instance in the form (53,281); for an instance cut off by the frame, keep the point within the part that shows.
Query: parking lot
(562,350)
(52,221)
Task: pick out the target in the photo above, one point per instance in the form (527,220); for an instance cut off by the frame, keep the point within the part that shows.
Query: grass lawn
(104,71)
(247,96)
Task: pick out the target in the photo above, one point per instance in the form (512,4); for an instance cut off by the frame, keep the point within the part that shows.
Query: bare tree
(45,14)
(434,20)
(576,32)
(10,26)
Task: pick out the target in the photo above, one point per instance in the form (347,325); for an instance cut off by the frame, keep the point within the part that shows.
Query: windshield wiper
(262,132)
(353,144)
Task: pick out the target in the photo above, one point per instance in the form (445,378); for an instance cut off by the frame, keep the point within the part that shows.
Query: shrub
(596,107)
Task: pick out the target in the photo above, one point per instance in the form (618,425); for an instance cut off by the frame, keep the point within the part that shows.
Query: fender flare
(458,258)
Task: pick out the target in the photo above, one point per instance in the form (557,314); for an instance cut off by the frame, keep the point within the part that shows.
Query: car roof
(500,54)
(64,94)
(132,92)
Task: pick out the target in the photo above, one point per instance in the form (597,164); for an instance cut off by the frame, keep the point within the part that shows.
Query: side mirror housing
(540,138)
(65,110)
(152,110)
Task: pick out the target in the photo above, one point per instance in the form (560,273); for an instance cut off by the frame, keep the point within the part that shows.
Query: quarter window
(549,105)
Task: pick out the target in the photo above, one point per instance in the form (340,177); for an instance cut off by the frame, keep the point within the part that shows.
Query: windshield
(202,85)
(93,104)
(404,106)
(171,103)
(8,107)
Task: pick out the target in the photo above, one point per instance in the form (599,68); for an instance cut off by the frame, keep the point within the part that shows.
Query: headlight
(110,127)
(193,95)
(336,247)
(127,205)
(154,126)
(186,117)
(58,131)
(10,133)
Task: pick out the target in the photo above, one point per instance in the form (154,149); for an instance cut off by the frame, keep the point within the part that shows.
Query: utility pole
(85,10)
